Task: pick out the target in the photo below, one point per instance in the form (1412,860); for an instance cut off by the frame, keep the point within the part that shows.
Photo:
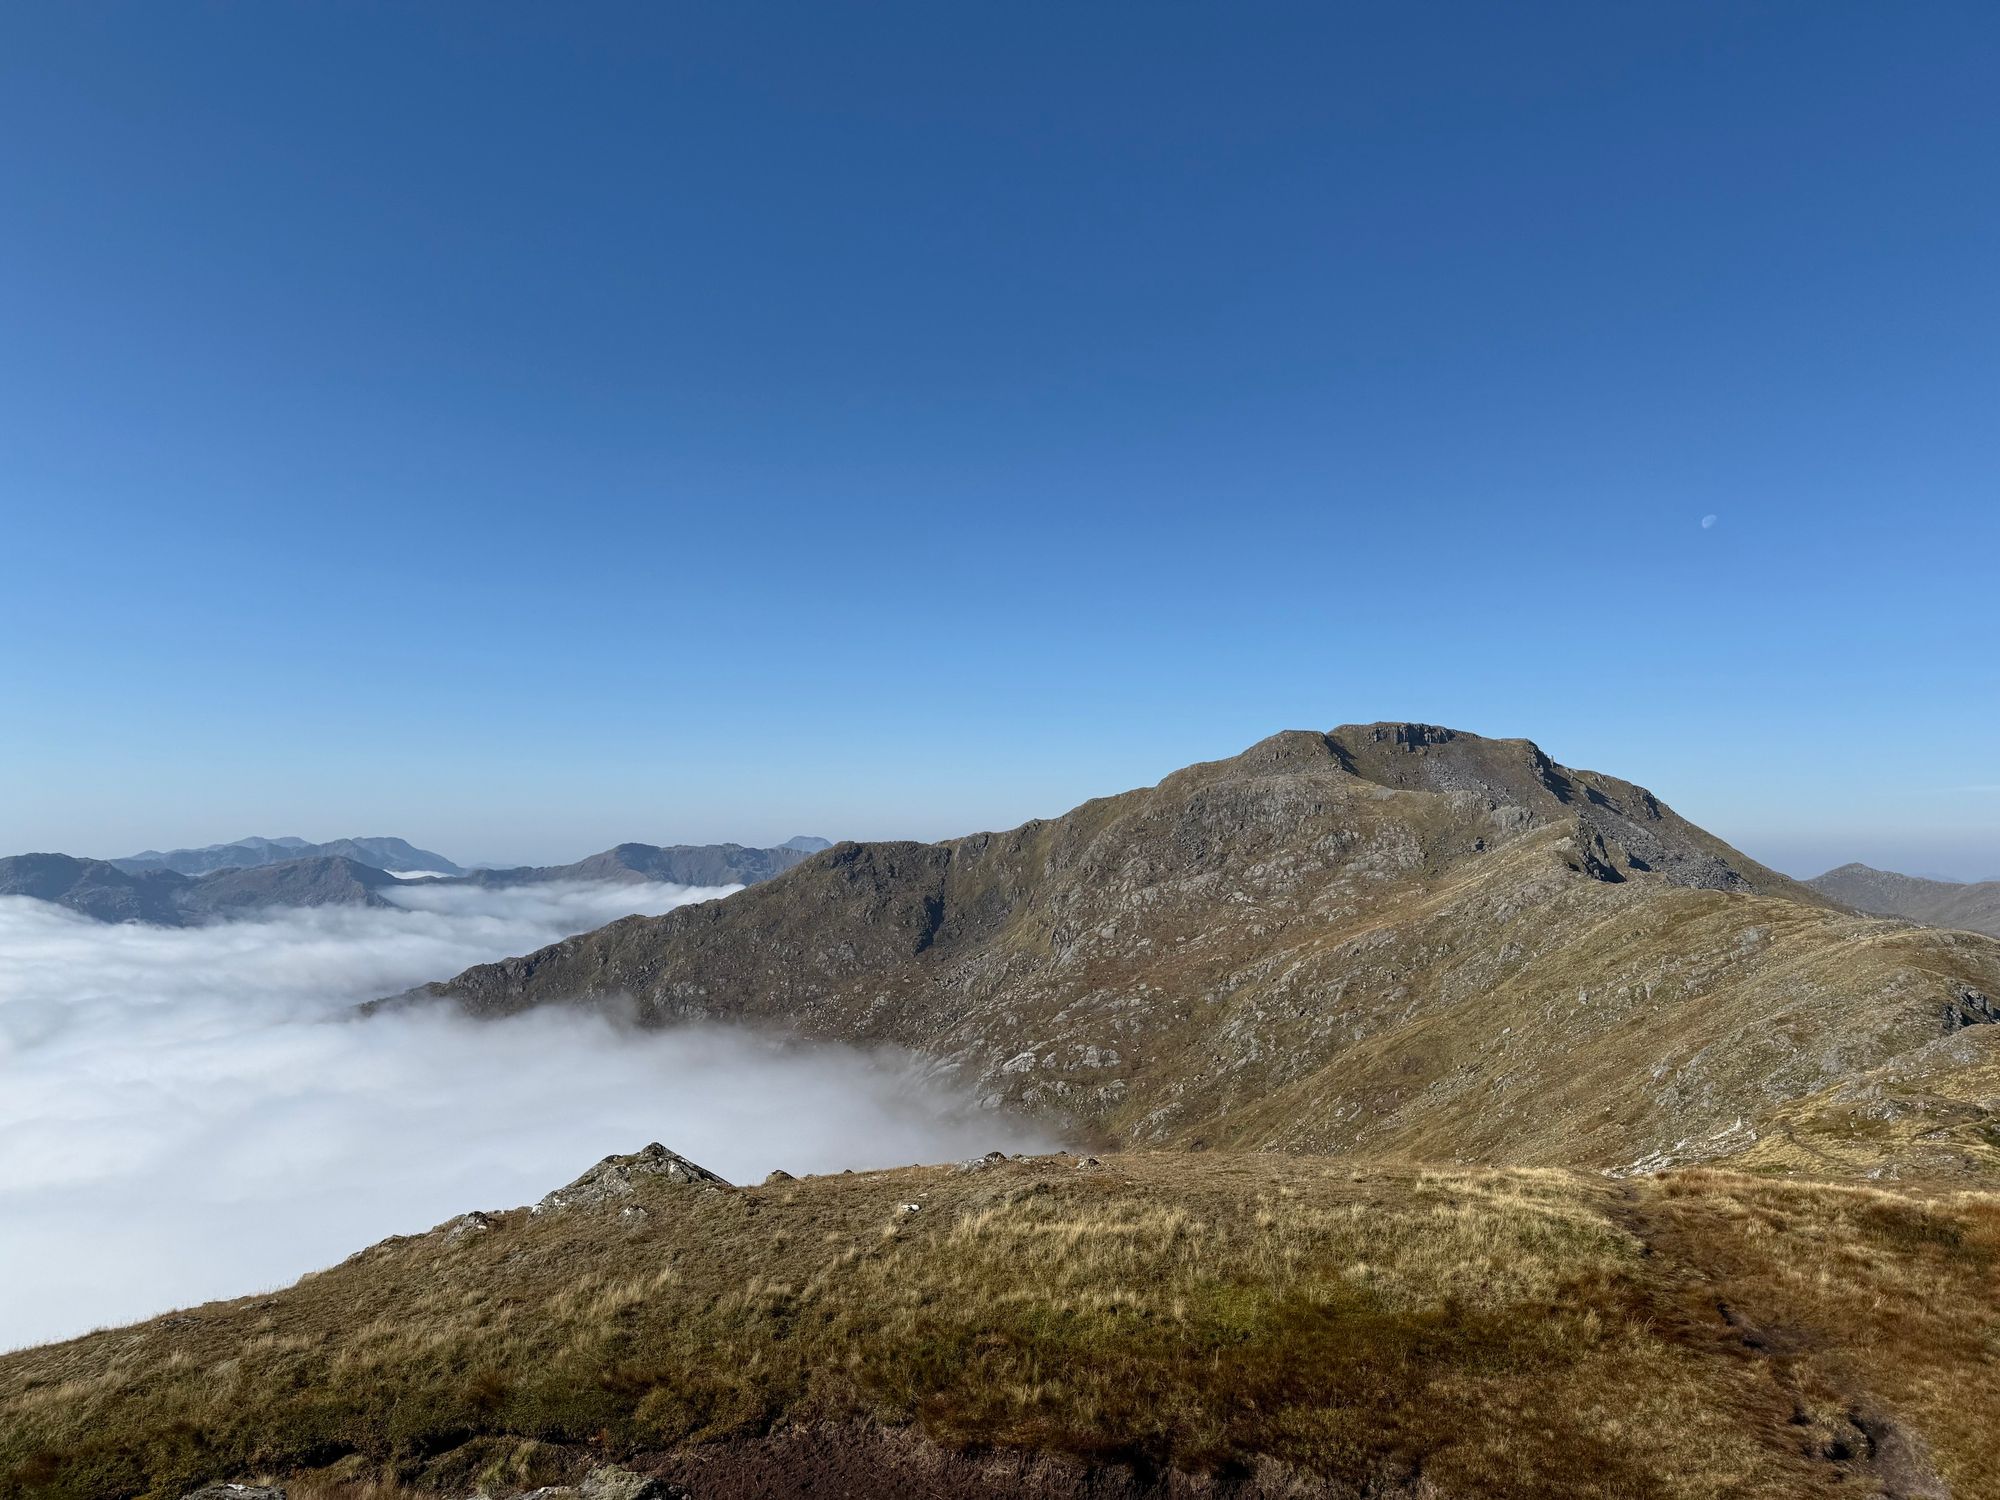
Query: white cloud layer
(193,1113)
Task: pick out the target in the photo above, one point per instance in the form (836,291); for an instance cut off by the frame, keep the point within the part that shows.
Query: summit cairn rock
(611,1180)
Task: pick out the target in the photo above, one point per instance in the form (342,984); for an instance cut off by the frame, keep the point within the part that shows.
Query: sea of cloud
(197,1113)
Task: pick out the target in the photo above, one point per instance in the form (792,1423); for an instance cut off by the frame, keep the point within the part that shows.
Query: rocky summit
(1391,939)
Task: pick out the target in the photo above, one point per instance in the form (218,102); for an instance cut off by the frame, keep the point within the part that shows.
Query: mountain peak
(1971,905)
(1376,938)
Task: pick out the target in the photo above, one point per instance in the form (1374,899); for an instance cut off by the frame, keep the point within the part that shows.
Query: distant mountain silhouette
(382,853)
(291,872)
(100,889)
(675,864)
(1973,906)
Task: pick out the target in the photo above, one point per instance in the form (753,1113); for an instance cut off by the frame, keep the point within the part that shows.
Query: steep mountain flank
(99,889)
(1974,906)
(675,864)
(1156,1325)
(1391,939)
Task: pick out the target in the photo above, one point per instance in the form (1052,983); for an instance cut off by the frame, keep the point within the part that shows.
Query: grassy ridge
(1494,1332)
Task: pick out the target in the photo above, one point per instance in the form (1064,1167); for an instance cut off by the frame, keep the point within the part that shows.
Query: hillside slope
(1391,939)
(1277,1326)
(1973,906)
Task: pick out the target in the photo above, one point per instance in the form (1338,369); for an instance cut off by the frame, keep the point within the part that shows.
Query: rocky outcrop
(609,1482)
(1968,1007)
(610,1182)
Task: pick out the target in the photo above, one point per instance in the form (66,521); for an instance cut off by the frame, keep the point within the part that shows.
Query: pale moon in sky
(1707,522)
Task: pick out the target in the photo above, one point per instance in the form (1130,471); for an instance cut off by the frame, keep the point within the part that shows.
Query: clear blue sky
(524,427)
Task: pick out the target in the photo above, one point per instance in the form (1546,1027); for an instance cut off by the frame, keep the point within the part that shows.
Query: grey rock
(612,1179)
(611,1483)
(465,1225)
(1970,1007)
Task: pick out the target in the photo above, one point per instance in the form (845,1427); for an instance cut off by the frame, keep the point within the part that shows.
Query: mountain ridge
(1391,939)
(107,892)
(119,891)
(1973,905)
(383,853)
(673,864)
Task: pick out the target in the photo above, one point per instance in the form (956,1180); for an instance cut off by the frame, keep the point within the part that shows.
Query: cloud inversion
(192,1113)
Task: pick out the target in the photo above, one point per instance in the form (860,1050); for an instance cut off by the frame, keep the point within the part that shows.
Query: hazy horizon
(1914,831)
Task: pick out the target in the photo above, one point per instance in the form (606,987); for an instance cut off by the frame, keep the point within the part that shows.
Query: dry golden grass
(1496,1333)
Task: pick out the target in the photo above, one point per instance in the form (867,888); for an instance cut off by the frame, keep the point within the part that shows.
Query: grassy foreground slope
(1278,1324)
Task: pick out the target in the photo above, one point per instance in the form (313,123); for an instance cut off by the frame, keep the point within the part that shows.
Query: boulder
(611,1483)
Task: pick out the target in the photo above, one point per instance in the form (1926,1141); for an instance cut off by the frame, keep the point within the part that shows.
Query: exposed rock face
(610,1181)
(1387,938)
(237,1492)
(1974,906)
(1970,1008)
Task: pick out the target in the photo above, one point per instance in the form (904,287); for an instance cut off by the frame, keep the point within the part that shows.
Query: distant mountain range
(146,888)
(382,853)
(110,893)
(1971,905)
(676,864)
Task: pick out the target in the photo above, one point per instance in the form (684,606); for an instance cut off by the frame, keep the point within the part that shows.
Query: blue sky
(521,428)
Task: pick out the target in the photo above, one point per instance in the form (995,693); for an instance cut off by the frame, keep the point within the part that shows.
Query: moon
(1708,523)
